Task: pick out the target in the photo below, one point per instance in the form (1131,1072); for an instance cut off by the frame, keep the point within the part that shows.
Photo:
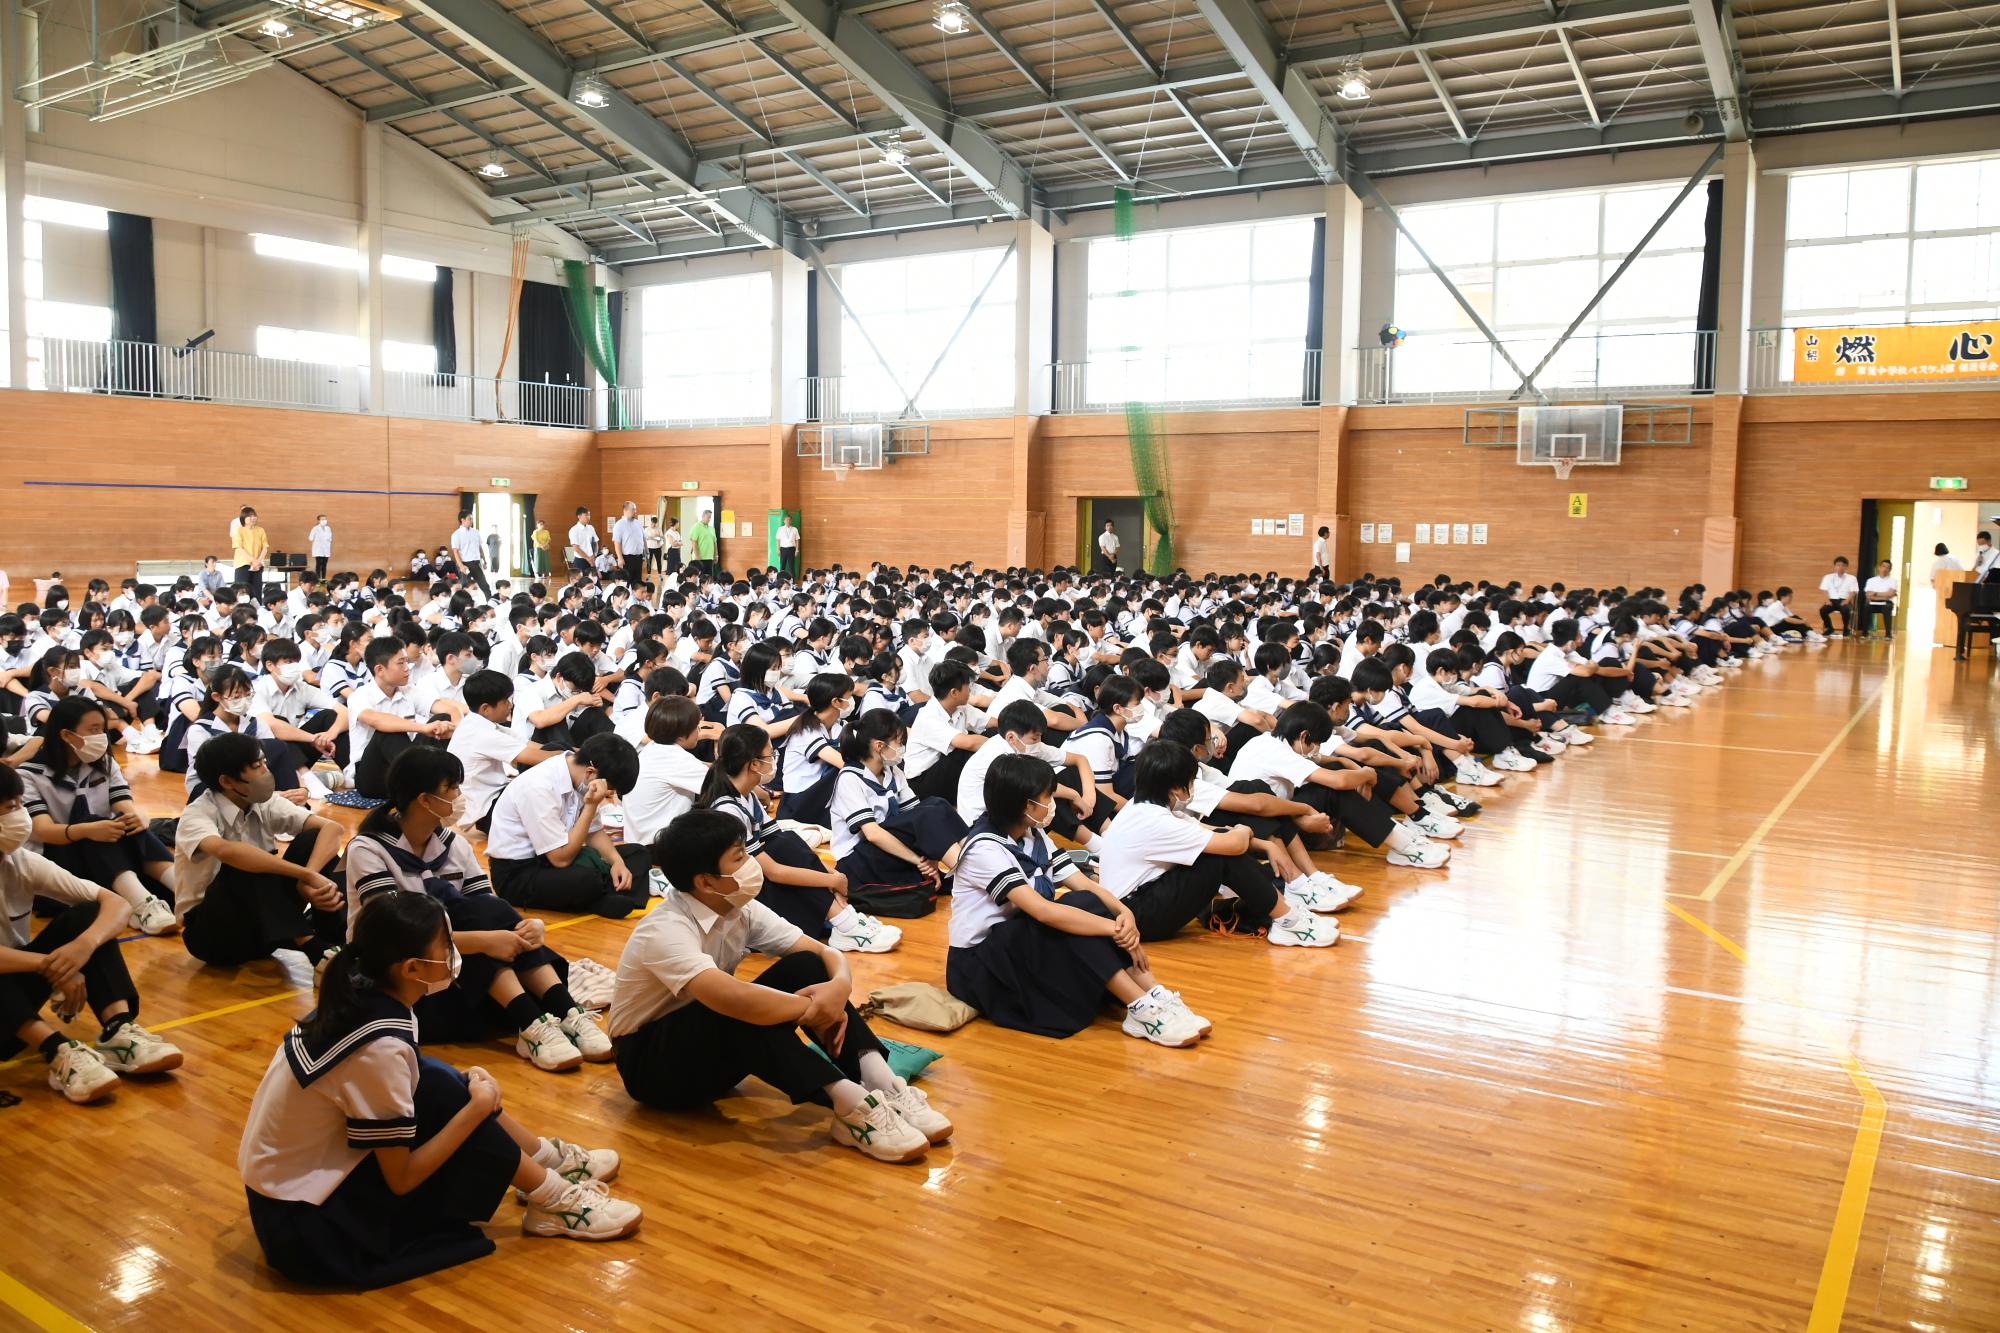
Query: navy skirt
(809,806)
(885,885)
(367,1236)
(1034,978)
(806,906)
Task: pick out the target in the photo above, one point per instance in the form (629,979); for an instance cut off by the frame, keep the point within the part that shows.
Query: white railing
(1773,352)
(150,370)
(1255,377)
(828,398)
(413,393)
(734,399)
(1589,366)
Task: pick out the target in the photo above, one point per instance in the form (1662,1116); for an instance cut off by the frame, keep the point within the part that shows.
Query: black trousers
(319,566)
(246,915)
(318,723)
(371,775)
(584,885)
(105,980)
(788,560)
(1583,692)
(1870,608)
(1187,893)
(941,778)
(635,567)
(251,580)
(477,572)
(693,1056)
(1845,610)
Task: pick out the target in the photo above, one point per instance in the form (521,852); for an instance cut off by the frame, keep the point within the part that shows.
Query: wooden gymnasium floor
(1695,1034)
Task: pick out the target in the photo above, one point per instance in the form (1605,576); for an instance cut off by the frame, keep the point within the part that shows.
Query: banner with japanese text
(1897,352)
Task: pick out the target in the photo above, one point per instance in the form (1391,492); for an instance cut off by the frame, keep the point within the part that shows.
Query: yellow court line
(37,1311)
(1836,1270)
(1735,863)
(1713,745)
(236,1008)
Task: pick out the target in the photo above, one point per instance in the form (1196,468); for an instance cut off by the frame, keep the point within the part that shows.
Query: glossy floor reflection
(1532,1093)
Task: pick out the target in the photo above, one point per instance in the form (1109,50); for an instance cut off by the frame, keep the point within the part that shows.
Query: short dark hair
(378,652)
(485,687)
(614,759)
(226,755)
(948,676)
(671,718)
(1013,781)
(695,844)
(1306,719)
(1163,768)
(1022,718)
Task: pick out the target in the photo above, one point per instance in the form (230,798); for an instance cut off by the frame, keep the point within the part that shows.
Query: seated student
(1028,666)
(1105,741)
(719,677)
(508,976)
(306,718)
(1478,717)
(227,710)
(647,656)
(670,775)
(237,897)
(549,847)
(1878,598)
(1168,868)
(1019,731)
(582,709)
(1030,961)
(884,673)
(84,817)
(367,1164)
(1286,764)
(57,675)
(661,682)
(346,668)
(487,746)
(1275,824)
(688,1030)
(797,884)
(812,749)
(1560,673)
(757,696)
(894,848)
(1225,689)
(946,732)
(441,691)
(74,961)
(1840,588)
(383,720)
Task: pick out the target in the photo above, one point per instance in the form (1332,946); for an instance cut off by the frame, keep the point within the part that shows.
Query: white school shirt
(788,537)
(584,538)
(26,876)
(367,698)
(677,942)
(856,803)
(1838,587)
(1219,708)
(1144,843)
(506,655)
(372,870)
(1107,542)
(1944,564)
(320,540)
(1550,665)
(971,796)
(669,780)
(534,814)
(1269,760)
(1882,589)
(467,546)
(916,673)
(801,747)
(1985,559)
(268,697)
(213,815)
(300,1143)
(1265,697)
(487,752)
(1427,695)
(985,879)
(932,733)
(1773,613)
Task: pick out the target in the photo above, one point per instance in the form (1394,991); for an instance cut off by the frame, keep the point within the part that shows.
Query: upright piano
(1977,606)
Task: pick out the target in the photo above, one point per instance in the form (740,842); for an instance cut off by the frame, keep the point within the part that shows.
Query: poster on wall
(1441,533)
(1402,553)
(1461,533)
(1423,534)
(1479,534)
(1256,527)
(1383,533)
(1295,524)
(1367,534)
(743,529)
(1966,350)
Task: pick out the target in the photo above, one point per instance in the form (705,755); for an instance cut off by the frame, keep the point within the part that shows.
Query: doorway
(687,506)
(1129,516)
(500,514)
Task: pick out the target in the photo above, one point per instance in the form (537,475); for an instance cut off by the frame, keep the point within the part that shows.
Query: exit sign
(502,483)
(1947,483)
(690,485)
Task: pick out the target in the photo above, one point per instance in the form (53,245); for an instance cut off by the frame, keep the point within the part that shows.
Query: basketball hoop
(839,471)
(1562,467)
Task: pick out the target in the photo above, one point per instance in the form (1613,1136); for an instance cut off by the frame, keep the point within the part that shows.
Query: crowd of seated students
(1078,767)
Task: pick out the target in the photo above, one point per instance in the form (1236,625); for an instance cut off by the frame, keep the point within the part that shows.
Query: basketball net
(840,472)
(1562,467)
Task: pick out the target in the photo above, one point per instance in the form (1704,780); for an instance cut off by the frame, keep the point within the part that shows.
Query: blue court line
(274,490)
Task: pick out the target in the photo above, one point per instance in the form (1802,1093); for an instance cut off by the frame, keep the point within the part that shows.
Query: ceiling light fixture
(493,168)
(593,93)
(275,27)
(951,16)
(1350,82)
(893,150)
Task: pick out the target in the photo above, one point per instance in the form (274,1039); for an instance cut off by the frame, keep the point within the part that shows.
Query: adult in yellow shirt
(251,549)
(541,537)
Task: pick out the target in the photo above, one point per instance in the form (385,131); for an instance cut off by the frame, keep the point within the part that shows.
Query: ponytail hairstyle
(861,733)
(420,770)
(735,750)
(393,928)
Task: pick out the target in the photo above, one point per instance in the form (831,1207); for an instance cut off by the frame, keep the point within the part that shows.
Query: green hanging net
(1146,439)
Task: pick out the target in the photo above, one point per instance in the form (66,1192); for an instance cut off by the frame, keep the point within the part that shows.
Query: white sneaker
(915,1108)
(588,1038)
(1435,828)
(333,775)
(153,917)
(1161,1024)
(80,1073)
(1472,773)
(1548,745)
(1814,636)
(1331,890)
(1422,856)
(133,1050)
(576,1163)
(586,1211)
(866,935)
(544,1044)
(1303,930)
(142,740)
(1575,736)
(1618,717)
(1202,1025)
(1313,897)
(1838,634)
(1677,699)
(1507,761)
(1632,703)
(877,1130)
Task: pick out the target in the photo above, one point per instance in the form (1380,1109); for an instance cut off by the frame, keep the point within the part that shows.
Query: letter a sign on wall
(1579,504)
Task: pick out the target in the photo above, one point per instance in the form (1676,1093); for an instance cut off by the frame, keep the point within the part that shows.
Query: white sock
(1402,838)
(1088,840)
(1299,885)
(845,919)
(1147,998)
(1295,916)
(876,1074)
(546,1155)
(1158,994)
(846,1096)
(545,1194)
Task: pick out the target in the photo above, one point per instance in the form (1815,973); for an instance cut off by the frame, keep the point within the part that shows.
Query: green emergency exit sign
(1947,483)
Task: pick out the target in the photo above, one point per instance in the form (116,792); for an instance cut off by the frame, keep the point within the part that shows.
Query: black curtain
(1708,305)
(468,501)
(528,535)
(444,321)
(1315,313)
(549,355)
(134,313)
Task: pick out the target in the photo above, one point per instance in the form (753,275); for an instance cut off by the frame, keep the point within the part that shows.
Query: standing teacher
(628,536)
(251,548)
(470,552)
(1107,549)
(701,545)
(541,537)
(788,547)
(320,542)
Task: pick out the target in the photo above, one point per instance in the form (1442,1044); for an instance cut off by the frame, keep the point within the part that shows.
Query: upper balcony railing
(1836,358)
(1266,376)
(1588,366)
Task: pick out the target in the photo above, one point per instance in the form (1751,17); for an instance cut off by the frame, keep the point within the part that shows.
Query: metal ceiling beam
(805,85)
(1180,102)
(1181,184)
(1715,32)
(1097,145)
(922,184)
(1896,45)
(469,66)
(878,66)
(1007,51)
(1444,97)
(502,39)
(1125,35)
(1288,96)
(1576,71)
(1525,23)
(825,182)
(1926,99)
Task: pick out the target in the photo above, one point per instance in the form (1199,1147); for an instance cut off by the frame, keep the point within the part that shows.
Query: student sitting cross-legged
(508,975)
(1168,868)
(688,1030)
(74,961)
(1028,960)
(239,898)
(894,847)
(366,1163)
(549,846)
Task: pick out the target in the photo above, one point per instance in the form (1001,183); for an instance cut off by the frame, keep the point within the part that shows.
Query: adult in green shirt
(701,546)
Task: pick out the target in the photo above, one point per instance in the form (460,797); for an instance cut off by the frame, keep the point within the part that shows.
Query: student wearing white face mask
(229,708)
(895,848)
(688,1030)
(237,896)
(74,961)
(303,716)
(509,977)
(84,818)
